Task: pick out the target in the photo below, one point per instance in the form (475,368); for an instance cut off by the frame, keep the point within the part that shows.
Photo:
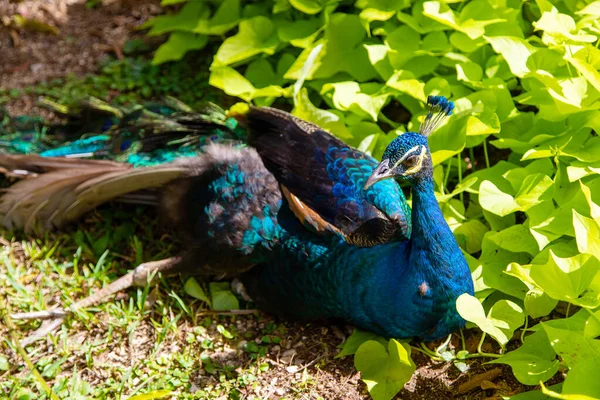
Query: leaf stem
(481,353)
(593,315)
(481,342)
(443,345)
(447,175)
(429,353)
(569,68)
(423,349)
(485,152)
(461,194)
(524,329)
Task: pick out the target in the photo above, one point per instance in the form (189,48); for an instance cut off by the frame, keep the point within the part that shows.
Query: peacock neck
(433,246)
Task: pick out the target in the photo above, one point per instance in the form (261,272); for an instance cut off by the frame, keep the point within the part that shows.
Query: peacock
(312,228)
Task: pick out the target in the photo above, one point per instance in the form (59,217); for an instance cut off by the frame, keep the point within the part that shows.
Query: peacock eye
(411,161)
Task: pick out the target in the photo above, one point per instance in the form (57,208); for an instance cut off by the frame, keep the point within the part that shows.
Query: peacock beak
(383,171)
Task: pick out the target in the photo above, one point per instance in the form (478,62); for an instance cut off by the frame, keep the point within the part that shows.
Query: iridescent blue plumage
(86,146)
(228,205)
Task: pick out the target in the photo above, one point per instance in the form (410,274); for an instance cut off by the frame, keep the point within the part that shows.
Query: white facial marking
(405,156)
(418,165)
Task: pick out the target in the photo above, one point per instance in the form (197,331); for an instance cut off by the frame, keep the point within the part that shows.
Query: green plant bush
(516,166)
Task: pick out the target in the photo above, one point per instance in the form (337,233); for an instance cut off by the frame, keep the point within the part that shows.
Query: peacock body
(313,228)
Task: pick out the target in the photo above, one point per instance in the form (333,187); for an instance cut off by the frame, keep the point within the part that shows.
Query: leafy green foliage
(221,297)
(534,361)
(193,288)
(501,321)
(384,371)
(358,337)
(516,167)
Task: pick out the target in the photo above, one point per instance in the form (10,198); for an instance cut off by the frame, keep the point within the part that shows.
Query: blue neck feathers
(433,247)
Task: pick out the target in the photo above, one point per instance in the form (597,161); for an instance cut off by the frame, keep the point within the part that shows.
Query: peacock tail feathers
(140,135)
(59,190)
(23,134)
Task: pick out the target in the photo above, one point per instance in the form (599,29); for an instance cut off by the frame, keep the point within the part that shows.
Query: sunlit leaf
(517,239)
(355,340)
(184,21)
(474,28)
(587,234)
(500,323)
(534,361)
(539,304)
(155,394)
(589,72)
(470,235)
(178,44)
(561,26)
(325,119)
(256,35)
(384,371)
(222,299)
(224,19)
(516,52)
(350,96)
(192,288)
(567,278)
(405,82)
(592,325)
(308,6)
(235,84)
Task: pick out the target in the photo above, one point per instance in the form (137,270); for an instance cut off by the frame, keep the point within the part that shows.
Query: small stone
(36,68)
(292,369)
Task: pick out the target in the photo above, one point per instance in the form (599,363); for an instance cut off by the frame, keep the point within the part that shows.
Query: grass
(156,341)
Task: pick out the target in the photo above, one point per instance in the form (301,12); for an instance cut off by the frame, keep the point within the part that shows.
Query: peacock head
(407,157)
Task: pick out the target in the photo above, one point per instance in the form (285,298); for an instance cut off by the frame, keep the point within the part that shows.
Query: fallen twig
(477,380)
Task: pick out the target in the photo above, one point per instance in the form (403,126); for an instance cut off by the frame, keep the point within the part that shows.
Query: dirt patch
(83,37)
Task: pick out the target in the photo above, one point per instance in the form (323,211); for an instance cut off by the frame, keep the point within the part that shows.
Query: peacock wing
(328,177)
(307,216)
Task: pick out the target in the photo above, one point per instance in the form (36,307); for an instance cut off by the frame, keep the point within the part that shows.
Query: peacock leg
(138,277)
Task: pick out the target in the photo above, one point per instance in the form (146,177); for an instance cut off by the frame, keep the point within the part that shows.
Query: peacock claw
(55,318)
